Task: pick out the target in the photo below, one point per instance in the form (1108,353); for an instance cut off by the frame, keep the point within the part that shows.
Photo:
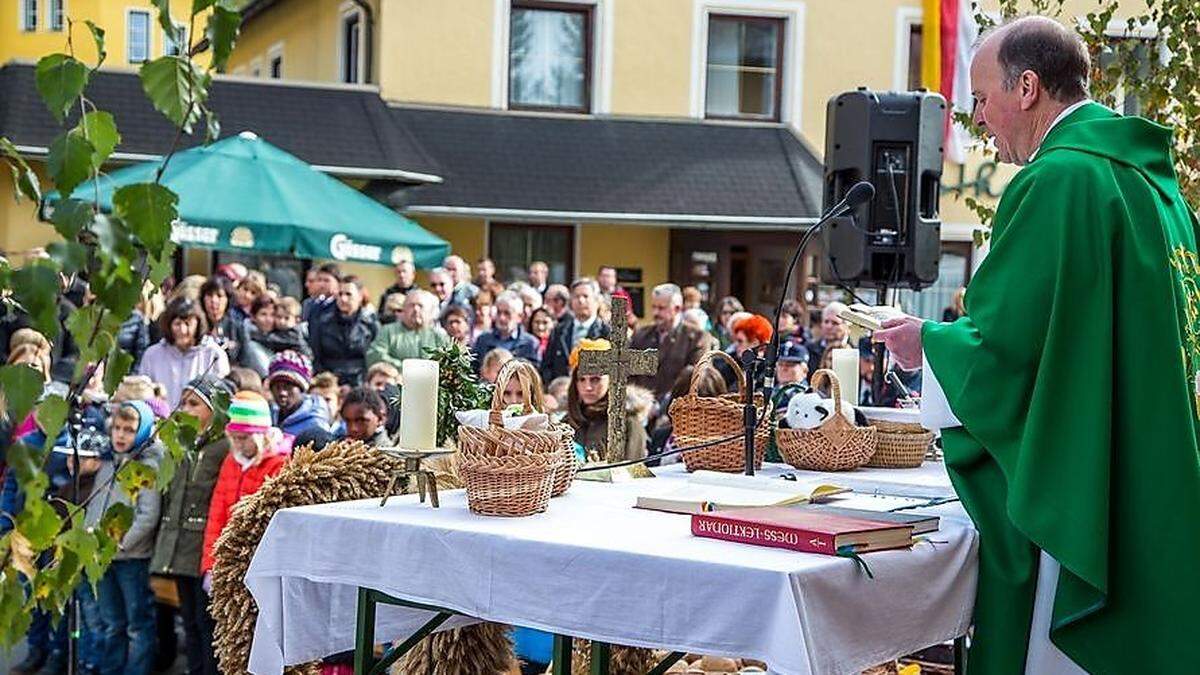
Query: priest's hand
(902,336)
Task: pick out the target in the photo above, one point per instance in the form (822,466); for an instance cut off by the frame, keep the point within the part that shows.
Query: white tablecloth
(592,566)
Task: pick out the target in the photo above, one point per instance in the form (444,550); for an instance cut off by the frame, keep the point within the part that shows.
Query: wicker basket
(836,445)
(901,445)
(497,441)
(703,419)
(509,486)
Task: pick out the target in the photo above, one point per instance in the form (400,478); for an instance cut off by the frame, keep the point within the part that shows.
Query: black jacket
(556,362)
(339,343)
(134,337)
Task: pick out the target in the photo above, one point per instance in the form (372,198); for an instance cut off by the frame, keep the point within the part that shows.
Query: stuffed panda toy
(809,411)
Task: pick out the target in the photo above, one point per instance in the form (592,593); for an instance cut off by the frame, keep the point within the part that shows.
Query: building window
(351,40)
(174,45)
(57,15)
(29,15)
(744,67)
(549,57)
(914,56)
(513,247)
(137,36)
(276,67)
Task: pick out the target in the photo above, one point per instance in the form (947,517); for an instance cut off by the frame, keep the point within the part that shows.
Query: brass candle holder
(426,481)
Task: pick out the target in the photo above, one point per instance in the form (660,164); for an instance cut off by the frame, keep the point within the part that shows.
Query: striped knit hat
(249,413)
(290,365)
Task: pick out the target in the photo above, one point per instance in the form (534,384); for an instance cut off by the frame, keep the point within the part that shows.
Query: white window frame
(345,11)
(906,18)
(23,15)
(275,51)
(791,95)
(129,12)
(62,25)
(601,48)
(182,27)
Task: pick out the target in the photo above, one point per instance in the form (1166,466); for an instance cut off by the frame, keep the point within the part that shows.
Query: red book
(801,530)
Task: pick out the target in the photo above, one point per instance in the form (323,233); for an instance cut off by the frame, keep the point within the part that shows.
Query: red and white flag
(948,38)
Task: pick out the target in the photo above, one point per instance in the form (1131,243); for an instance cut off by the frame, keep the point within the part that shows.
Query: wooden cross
(619,363)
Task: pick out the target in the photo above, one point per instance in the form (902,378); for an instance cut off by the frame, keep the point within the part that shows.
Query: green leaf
(175,88)
(135,476)
(106,550)
(201,5)
(119,289)
(100,130)
(51,416)
(70,255)
(165,473)
(60,80)
(22,386)
(117,520)
(14,620)
(116,368)
(112,236)
(164,16)
(149,210)
(223,26)
(71,216)
(39,523)
(97,37)
(70,162)
(36,287)
(163,265)
(25,180)
(212,126)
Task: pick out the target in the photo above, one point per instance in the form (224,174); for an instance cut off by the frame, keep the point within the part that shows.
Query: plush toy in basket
(697,420)
(513,471)
(834,444)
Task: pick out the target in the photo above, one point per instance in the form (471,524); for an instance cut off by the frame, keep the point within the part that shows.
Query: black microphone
(859,194)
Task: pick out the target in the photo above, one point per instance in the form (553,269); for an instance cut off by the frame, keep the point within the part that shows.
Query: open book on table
(713,491)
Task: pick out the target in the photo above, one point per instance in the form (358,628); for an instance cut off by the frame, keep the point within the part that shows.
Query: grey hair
(1048,48)
(512,299)
(586,281)
(669,291)
(439,271)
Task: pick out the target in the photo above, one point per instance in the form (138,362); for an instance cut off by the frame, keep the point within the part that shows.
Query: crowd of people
(308,371)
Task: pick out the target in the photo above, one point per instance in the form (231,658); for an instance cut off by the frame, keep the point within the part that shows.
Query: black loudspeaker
(894,140)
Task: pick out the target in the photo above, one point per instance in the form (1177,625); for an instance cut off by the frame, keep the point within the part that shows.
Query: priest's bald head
(1024,74)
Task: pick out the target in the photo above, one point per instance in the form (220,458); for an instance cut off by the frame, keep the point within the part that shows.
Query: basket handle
(834,384)
(509,370)
(706,361)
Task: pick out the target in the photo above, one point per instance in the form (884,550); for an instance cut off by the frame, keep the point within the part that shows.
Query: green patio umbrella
(244,194)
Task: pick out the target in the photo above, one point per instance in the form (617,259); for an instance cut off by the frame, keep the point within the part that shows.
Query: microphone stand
(751,362)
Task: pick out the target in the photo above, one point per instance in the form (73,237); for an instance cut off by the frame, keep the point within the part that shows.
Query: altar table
(593,567)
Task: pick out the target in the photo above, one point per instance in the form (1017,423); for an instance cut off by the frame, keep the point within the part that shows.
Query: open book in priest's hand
(712,491)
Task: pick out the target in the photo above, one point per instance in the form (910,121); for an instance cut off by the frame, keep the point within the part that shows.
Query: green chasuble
(1075,374)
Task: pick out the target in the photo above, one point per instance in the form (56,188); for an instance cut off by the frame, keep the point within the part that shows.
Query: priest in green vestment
(1072,383)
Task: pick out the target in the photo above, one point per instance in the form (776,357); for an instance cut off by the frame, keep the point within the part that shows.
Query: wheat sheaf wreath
(342,471)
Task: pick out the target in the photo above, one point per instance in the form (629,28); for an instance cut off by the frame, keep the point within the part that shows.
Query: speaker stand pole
(750,364)
(877,377)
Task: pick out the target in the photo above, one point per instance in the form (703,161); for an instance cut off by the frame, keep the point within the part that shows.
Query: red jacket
(233,484)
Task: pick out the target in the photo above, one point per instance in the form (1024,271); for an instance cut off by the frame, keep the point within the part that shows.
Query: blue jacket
(520,343)
(311,413)
(11,499)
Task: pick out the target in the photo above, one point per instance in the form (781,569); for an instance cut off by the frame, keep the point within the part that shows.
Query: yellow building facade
(645,59)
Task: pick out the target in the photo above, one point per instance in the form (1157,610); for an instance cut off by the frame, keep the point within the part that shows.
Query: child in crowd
(382,374)
(184,514)
(297,410)
(245,379)
(126,604)
(365,415)
(489,368)
(791,378)
(325,385)
(251,460)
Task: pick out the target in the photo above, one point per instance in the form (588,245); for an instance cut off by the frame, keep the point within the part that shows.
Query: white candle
(419,404)
(845,366)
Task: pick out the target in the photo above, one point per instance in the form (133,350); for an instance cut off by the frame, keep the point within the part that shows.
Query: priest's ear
(1029,89)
